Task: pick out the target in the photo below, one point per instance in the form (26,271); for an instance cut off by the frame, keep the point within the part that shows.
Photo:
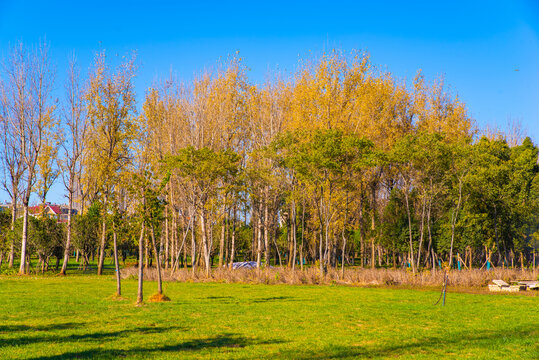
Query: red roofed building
(59,212)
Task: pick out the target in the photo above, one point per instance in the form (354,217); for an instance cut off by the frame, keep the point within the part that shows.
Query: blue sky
(477,45)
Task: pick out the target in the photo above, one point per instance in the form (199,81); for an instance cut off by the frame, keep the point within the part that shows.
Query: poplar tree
(29,78)
(74,146)
(110,105)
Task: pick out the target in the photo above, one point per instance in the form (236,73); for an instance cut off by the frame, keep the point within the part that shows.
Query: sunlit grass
(76,317)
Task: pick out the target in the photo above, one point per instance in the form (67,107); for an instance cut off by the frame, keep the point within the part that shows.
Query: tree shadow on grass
(427,345)
(229,341)
(95,336)
(47,327)
(235,300)
(218,297)
(274,298)
(221,299)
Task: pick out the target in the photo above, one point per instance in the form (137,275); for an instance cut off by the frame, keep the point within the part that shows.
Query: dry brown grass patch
(353,276)
(157,297)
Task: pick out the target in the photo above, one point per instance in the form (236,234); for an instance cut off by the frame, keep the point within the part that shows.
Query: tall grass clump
(475,278)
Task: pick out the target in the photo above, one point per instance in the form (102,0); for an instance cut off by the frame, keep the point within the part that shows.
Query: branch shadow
(96,336)
(221,299)
(427,345)
(218,297)
(234,300)
(274,298)
(230,341)
(48,327)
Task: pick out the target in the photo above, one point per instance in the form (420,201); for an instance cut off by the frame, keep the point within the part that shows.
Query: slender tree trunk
(421,232)
(102,245)
(193,245)
(289,242)
(277,249)
(373,255)
(293,226)
(227,239)
(11,256)
(140,294)
(373,227)
(301,257)
(13,219)
(373,264)
(430,251)
(210,243)
(266,229)
(222,240)
(343,253)
(326,234)
(185,233)
(161,249)
(184,260)
(205,245)
(116,263)
(258,241)
(157,262)
(146,253)
(86,262)
(454,215)
(167,240)
(179,249)
(253,226)
(361,232)
(176,252)
(321,255)
(233,238)
(409,230)
(68,237)
(22,268)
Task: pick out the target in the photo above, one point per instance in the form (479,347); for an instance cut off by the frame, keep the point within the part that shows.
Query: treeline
(338,164)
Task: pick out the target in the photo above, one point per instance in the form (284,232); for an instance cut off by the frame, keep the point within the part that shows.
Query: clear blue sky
(477,45)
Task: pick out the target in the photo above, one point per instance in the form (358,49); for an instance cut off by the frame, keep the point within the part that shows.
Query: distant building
(64,213)
(52,211)
(5,208)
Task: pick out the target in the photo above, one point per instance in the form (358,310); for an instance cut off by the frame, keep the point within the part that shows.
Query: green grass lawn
(75,317)
(73,268)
